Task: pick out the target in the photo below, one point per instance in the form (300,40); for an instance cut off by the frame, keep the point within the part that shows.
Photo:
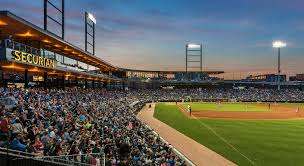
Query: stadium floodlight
(91,34)
(193,45)
(279,44)
(194,58)
(92,18)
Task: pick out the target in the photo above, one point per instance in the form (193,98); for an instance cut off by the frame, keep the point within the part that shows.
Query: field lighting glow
(192,45)
(278,44)
(92,18)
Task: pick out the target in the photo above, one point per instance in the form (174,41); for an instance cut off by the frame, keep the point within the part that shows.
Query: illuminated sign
(33,59)
(38,78)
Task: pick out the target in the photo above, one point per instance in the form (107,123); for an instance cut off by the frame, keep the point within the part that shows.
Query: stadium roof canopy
(174,72)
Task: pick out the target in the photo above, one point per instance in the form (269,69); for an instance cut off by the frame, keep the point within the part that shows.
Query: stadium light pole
(193,45)
(89,16)
(279,44)
(194,50)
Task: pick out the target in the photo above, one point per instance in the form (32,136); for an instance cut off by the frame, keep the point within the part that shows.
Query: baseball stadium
(65,104)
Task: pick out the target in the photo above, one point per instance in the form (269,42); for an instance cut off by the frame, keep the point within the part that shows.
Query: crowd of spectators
(284,95)
(78,121)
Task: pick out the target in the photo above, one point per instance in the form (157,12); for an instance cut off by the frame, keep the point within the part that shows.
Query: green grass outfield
(264,142)
(225,107)
(293,104)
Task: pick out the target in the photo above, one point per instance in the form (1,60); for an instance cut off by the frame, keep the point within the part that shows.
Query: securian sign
(33,59)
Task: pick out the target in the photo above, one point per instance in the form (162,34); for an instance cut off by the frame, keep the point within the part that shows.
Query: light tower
(46,16)
(279,44)
(90,22)
(194,54)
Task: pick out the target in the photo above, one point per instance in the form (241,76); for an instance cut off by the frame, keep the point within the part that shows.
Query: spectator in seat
(17,145)
(16,128)
(38,145)
(4,125)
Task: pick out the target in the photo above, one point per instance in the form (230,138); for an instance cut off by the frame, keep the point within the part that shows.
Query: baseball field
(243,139)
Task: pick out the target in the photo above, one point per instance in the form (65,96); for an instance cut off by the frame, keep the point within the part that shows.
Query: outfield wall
(226,100)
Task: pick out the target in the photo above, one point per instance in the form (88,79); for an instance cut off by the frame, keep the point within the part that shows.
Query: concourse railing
(77,160)
(64,160)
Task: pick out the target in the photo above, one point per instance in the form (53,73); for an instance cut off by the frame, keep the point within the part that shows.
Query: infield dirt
(279,112)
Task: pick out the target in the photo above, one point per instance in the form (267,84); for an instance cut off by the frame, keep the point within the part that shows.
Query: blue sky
(151,34)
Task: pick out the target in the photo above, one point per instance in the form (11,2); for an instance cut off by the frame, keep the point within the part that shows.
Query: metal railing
(77,160)
(64,160)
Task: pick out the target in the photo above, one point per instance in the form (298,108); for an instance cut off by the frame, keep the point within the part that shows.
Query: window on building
(82,66)
(59,58)
(70,62)
(91,68)
(49,54)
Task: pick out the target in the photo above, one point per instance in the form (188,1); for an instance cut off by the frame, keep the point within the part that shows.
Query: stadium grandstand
(62,105)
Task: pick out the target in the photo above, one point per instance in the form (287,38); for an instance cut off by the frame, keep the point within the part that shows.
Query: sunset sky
(151,34)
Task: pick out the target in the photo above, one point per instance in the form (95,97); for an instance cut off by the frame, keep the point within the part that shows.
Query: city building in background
(267,78)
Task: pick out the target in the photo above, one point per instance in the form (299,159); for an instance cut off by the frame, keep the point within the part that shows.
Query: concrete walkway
(197,153)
